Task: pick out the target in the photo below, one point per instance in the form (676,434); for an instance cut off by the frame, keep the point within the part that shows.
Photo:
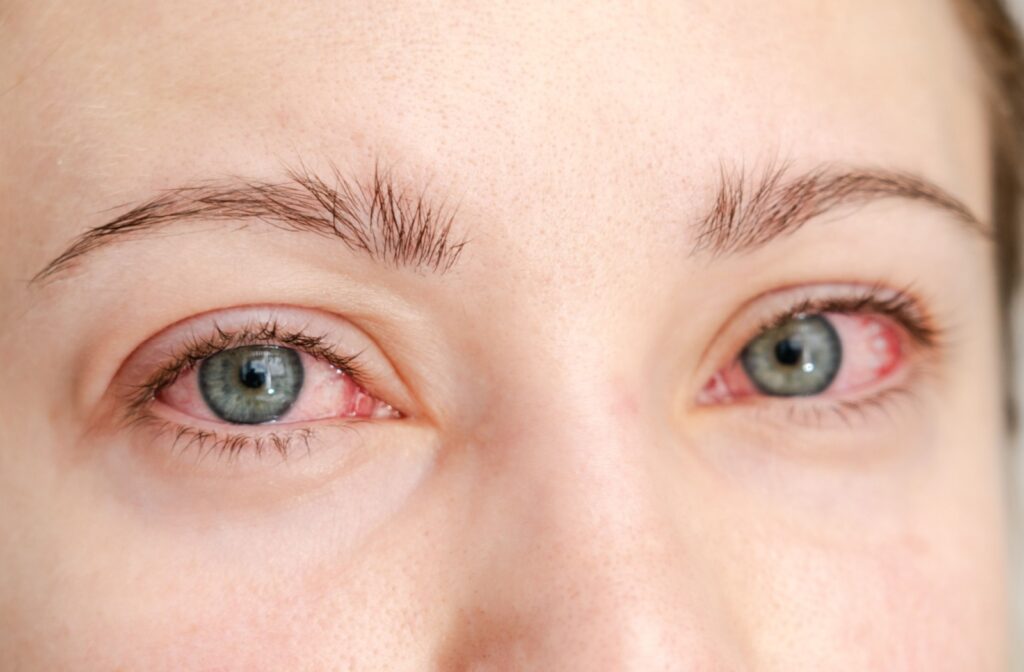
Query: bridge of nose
(588,538)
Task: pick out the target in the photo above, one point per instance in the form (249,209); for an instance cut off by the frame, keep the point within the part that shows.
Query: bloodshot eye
(811,355)
(261,384)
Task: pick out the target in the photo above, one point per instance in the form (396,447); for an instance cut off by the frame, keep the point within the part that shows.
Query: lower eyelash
(862,411)
(204,442)
(825,413)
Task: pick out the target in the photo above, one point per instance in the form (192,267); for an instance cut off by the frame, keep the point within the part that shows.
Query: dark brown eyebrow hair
(752,209)
(376,218)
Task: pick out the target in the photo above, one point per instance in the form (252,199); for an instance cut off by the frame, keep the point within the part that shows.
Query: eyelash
(231,445)
(898,305)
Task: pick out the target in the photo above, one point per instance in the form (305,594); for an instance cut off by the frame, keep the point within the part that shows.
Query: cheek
(184,612)
(904,606)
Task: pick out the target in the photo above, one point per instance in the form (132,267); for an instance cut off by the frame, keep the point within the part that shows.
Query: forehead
(533,108)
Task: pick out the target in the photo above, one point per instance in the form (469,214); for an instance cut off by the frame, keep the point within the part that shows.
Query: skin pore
(529,232)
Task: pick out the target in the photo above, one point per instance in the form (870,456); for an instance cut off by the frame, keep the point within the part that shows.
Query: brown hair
(999,48)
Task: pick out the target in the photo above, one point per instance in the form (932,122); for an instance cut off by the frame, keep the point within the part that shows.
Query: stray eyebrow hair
(751,210)
(376,218)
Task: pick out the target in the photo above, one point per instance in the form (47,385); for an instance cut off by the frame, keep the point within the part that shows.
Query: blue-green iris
(252,384)
(799,358)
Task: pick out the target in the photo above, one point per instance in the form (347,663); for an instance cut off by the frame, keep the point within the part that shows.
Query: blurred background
(1017,7)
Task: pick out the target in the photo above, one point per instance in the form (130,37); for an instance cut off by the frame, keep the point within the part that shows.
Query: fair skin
(557,488)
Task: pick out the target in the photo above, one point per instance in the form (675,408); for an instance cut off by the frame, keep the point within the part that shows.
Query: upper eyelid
(271,332)
(899,306)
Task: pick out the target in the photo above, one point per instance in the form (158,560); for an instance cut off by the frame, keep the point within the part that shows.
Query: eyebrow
(752,209)
(375,218)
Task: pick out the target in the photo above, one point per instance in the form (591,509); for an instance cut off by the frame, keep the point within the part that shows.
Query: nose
(594,549)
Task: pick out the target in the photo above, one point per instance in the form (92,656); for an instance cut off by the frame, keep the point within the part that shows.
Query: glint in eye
(261,384)
(808,355)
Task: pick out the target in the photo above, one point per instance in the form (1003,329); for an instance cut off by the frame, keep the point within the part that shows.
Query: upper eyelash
(897,304)
(270,332)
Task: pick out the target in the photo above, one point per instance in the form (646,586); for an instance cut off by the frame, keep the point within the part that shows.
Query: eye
(817,354)
(261,384)
(237,381)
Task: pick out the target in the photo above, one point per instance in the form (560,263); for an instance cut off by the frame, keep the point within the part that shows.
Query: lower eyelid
(882,410)
(175,470)
(166,445)
(205,443)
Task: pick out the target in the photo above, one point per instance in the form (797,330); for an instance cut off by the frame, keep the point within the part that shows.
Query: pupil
(789,352)
(253,374)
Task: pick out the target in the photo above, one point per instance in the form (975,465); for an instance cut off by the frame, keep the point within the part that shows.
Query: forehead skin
(533,109)
(579,140)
